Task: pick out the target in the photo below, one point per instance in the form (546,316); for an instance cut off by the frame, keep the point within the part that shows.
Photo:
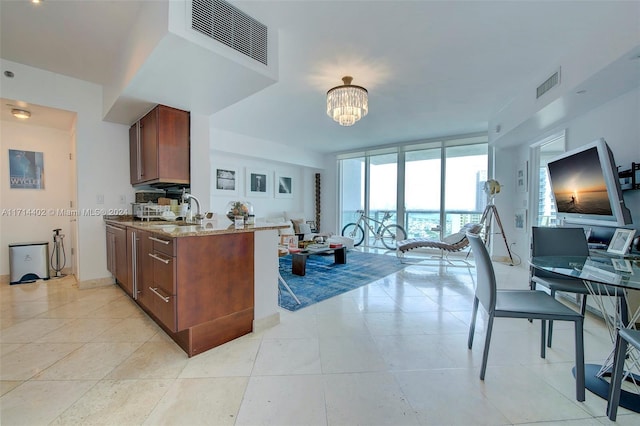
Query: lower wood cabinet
(163,284)
(117,255)
(199,289)
(139,265)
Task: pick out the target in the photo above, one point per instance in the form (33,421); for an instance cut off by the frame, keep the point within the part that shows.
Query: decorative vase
(239,208)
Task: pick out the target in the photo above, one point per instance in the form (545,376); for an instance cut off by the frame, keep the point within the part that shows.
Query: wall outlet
(100,198)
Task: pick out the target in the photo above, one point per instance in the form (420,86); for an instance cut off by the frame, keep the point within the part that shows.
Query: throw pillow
(296,225)
(304,228)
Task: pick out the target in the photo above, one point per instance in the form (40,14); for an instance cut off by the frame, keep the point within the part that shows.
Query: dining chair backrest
(485,275)
(558,242)
(547,241)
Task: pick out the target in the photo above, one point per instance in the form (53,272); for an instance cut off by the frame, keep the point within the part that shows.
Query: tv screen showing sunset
(578,184)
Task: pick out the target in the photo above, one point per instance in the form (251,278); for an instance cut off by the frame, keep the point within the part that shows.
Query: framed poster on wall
(258,183)
(284,186)
(26,169)
(226,180)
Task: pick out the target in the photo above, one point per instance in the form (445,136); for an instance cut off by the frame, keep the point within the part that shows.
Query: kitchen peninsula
(203,284)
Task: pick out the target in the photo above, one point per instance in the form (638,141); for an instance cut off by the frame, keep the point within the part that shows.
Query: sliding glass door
(431,188)
(422,191)
(466,173)
(544,213)
(352,188)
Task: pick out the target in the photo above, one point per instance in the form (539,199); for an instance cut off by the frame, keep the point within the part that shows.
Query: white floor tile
(235,358)
(30,359)
(350,354)
(40,402)
(115,402)
(430,391)
(392,352)
(383,402)
(288,357)
(283,400)
(201,401)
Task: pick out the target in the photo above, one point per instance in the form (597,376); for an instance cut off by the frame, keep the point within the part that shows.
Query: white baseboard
(98,282)
(266,322)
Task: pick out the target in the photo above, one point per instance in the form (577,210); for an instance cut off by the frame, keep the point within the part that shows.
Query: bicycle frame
(377,233)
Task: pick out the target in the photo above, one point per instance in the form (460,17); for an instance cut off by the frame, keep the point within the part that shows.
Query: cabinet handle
(140,151)
(155,290)
(165,242)
(165,261)
(134,265)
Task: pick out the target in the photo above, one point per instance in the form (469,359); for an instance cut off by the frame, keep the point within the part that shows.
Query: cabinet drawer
(164,272)
(164,307)
(163,244)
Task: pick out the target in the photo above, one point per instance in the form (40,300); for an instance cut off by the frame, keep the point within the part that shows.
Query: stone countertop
(174,229)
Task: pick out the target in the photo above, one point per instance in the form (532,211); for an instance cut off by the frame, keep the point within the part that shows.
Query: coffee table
(299,260)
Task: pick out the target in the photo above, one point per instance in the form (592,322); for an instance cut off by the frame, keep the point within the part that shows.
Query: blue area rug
(325,279)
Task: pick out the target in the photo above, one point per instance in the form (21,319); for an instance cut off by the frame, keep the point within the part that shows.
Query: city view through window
(432,203)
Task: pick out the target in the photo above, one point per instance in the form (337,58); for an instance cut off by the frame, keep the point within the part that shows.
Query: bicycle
(388,234)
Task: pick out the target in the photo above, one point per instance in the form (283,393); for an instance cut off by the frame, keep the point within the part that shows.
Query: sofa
(298,226)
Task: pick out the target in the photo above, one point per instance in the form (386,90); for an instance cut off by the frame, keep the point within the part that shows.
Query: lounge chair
(449,244)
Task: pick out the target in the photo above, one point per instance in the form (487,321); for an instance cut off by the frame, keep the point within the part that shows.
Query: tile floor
(390,353)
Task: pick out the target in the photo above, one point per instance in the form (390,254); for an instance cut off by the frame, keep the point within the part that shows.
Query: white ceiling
(432,68)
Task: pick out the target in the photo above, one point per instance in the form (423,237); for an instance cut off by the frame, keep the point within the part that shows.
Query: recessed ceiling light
(22,114)
(36,1)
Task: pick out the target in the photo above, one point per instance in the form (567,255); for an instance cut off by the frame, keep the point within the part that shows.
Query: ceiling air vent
(229,25)
(550,83)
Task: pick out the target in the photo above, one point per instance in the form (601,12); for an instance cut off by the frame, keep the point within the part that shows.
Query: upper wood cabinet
(159,147)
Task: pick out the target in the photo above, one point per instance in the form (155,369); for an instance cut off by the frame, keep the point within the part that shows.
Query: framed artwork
(26,169)
(522,177)
(258,183)
(622,265)
(284,186)
(226,180)
(521,219)
(621,241)
(289,241)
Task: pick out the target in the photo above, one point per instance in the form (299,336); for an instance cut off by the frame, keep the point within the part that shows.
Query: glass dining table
(603,276)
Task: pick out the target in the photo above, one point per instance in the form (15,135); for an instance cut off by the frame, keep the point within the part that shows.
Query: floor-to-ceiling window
(422,190)
(466,172)
(432,188)
(352,187)
(543,151)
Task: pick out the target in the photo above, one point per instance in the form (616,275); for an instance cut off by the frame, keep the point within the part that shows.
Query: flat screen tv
(586,187)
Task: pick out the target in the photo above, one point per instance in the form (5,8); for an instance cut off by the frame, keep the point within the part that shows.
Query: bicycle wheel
(355,231)
(391,234)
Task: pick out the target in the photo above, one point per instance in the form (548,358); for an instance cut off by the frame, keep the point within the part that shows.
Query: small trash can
(28,262)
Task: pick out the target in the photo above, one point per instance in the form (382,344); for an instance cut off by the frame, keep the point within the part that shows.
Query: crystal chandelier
(347,104)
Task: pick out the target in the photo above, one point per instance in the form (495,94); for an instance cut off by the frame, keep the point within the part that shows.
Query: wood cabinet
(117,255)
(163,284)
(159,147)
(199,289)
(139,265)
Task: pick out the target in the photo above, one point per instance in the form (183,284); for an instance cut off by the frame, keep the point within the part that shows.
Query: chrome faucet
(198,217)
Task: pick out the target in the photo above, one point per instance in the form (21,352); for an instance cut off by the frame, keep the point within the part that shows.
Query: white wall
(243,153)
(30,215)
(616,121)
(303,179)
(583,62)
(102,153)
